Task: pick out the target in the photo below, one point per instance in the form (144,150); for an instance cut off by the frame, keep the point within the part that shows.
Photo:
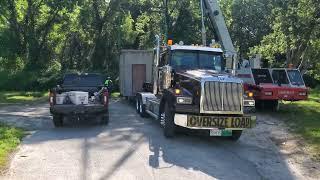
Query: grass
(303,118)
(10,138)
(115,94)
(21,97)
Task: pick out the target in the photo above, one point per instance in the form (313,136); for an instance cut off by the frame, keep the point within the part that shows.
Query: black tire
(235,135)
(143,112)
(169,127)
(272,105)
(142,108)
(105,119)
(275,105)
(57,120)
(259,105)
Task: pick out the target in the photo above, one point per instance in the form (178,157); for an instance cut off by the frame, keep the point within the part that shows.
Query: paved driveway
(135,148)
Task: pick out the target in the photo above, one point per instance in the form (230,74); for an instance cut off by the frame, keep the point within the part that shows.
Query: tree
(295,34)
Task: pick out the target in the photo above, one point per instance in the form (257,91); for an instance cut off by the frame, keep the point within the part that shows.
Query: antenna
(203,31)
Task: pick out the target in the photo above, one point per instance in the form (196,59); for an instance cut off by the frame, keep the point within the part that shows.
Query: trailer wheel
(235,135)
(57,120)
(168,123)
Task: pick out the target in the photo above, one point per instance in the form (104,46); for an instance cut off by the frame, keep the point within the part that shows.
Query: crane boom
(219,24)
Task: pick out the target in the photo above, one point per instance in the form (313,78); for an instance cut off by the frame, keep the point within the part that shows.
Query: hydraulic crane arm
(216,17)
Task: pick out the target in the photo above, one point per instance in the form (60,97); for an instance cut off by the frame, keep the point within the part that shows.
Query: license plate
(221,122)
(215,132)
(218,132)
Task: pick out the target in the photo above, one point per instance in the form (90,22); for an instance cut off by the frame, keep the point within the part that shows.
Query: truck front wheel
(57,120)
(235,135)
(168,124)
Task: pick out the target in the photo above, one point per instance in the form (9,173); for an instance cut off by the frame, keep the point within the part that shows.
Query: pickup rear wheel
(168,122)
(58,120)
(105,119)
(235,135)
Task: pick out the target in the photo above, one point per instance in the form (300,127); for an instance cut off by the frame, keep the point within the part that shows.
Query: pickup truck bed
(82,96)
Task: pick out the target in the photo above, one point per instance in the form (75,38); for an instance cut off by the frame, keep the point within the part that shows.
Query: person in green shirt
(108,84)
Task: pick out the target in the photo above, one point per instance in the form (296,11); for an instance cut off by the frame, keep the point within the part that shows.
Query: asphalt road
(132,147)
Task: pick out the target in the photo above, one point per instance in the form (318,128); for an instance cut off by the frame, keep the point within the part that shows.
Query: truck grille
(222,96)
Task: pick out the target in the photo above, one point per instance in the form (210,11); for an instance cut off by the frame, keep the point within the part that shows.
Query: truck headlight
(184,100)
(249,103)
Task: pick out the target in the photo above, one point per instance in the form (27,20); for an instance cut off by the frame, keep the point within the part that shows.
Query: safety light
(177,91)
(290,66)
(250,94)
(170,42)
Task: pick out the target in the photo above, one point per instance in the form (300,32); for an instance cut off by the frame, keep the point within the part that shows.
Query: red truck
(271,85)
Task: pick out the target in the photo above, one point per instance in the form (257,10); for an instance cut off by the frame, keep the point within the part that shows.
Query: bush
(38,80)
(311,81)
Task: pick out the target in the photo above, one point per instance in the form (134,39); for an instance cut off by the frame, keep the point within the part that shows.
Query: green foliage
(41,39)
(295,36)
(9,139)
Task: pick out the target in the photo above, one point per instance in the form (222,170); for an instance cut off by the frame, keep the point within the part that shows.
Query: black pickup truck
(82,96)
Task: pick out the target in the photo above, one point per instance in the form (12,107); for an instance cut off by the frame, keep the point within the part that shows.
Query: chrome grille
(222,96)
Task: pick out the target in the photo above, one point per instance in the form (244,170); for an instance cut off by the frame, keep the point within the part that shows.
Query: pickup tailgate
(78,109)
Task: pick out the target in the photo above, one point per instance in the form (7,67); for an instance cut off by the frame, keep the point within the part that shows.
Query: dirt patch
(291,146)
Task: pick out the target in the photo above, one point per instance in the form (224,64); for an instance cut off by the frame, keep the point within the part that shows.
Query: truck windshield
(280,76)
(295,77)
(89,80)
(262,76)
(188,60)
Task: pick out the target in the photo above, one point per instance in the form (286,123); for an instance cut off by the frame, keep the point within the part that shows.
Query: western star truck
(193,87)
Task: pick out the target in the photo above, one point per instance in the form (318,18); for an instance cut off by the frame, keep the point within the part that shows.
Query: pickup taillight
(51,98)
(105,98)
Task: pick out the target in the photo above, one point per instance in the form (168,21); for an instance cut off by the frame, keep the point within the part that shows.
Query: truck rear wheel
(235,135)
(140,107)
(57,120)
(168,124)
(138,104)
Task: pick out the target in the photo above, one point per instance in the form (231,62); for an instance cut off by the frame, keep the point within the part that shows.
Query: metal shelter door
(138,77)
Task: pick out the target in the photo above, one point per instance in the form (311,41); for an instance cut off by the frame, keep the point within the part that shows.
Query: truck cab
(192,89)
